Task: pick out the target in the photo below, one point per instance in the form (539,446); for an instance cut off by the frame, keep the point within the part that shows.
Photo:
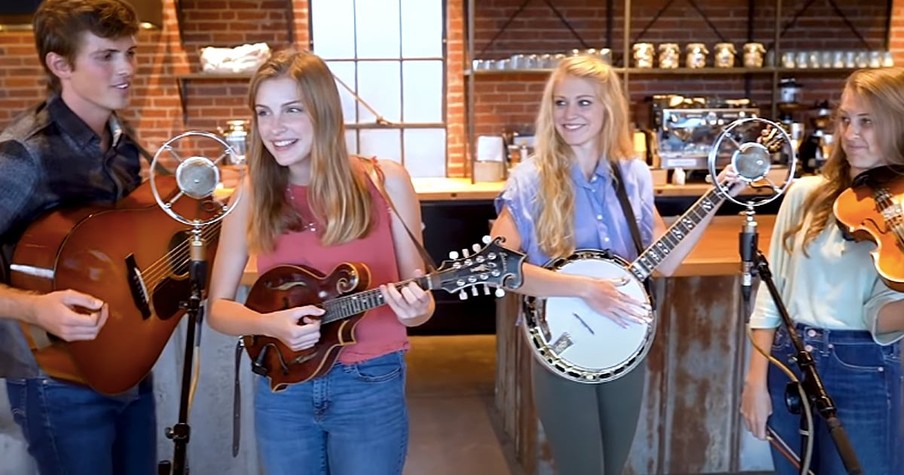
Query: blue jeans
(352,420)
(864,381)
(73,430)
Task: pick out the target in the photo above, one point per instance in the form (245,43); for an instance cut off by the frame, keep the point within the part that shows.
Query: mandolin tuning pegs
(499,292)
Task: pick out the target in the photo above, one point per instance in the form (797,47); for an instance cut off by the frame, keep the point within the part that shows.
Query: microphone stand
(181,432)
(811,383)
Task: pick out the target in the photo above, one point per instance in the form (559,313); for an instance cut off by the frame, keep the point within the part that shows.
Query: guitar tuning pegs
(499,292)
(465,252)
(486,289)
(486,239)
(463,295)
(453,255)
(474,291)
(476,247)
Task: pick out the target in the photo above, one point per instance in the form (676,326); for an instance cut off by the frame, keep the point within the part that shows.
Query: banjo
(574,341)
(577,343)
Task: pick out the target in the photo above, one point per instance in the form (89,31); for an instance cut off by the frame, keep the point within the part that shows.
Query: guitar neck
(350,305)
(651,257)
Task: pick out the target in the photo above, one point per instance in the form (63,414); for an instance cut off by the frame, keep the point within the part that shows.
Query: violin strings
(895,222)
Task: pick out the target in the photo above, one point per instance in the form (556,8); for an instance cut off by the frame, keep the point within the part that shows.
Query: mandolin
(346,296)
(871,210)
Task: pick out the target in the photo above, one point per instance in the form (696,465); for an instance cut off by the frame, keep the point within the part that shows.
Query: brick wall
(164,54)
(509,101)
(502,101)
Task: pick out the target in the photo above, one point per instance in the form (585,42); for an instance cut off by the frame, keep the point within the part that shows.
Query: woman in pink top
(308,202)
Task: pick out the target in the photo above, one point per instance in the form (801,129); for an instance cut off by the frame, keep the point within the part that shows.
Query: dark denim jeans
(864,381)
(73,430)
(352,420)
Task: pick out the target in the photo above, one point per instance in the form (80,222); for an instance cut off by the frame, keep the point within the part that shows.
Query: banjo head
(575,341)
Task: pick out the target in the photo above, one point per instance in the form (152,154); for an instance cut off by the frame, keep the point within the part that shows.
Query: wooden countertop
(444,189)
(717,251)
(715,254)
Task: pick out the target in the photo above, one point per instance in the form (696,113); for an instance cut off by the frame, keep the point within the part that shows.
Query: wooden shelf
(676,71)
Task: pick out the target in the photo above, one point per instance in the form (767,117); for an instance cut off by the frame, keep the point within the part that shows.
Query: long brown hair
(554,157)
(882,91)
(338,191)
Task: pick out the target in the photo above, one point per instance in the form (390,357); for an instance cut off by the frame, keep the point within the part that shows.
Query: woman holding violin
(848,318)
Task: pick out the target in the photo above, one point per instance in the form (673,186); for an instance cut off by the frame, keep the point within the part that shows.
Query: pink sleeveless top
(379,332)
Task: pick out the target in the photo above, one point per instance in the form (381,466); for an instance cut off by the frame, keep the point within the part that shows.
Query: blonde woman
(849,320)
(310,203)
(563,199)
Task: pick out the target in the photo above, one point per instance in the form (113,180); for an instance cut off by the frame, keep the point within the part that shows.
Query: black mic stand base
(811,382)
(180,433)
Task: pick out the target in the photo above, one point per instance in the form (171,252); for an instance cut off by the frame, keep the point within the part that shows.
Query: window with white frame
(390,53)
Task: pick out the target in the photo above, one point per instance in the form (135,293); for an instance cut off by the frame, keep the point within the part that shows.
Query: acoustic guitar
(871,209)
(134,257)
(343,296)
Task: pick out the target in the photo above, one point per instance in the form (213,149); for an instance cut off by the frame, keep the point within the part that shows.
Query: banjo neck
(651,257)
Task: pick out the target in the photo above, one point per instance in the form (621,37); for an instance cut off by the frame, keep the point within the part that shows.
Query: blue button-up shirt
(599,219)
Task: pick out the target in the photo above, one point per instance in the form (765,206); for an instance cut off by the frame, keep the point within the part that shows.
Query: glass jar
(236,135)
(669,55)
(643,55)
(696,55)
(753,55)
(724,55)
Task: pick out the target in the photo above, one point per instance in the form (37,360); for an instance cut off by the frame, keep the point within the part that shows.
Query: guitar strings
(166,265)
(174,258)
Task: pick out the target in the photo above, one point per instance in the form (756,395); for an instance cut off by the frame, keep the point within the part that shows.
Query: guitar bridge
(137,288)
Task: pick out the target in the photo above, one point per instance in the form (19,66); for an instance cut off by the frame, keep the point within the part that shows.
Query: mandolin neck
(350,305)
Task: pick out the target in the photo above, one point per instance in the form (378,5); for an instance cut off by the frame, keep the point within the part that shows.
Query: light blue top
(598,216)
(836,287)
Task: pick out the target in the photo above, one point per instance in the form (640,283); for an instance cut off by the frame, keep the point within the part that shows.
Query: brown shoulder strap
(376,175)
(619,185)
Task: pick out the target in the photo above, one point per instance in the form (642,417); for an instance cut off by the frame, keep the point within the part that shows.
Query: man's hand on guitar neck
(70,315)
(295,327)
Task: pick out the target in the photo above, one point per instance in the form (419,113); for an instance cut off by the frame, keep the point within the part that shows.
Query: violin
(871,210)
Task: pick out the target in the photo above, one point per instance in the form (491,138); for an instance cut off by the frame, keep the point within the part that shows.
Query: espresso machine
(815,148)
(685,135)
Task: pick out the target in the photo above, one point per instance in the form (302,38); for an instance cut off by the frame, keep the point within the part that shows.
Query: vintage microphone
(753,142)
(197,178)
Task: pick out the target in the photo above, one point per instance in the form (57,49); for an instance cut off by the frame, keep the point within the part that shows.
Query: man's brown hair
(60,24)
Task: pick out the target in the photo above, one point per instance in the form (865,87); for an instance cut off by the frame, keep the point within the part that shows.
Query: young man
(71,150)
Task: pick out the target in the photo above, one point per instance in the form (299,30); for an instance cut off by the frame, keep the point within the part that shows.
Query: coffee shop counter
(431,189)
(689,420)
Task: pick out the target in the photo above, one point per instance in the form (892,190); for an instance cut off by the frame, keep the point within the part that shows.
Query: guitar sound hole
(178,255)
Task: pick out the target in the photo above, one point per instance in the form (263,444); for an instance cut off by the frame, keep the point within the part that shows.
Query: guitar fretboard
(349,305)
(647,261)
